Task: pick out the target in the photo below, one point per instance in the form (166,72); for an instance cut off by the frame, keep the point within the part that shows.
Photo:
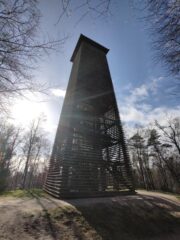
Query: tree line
(155,155)
(24,155)
(154,152)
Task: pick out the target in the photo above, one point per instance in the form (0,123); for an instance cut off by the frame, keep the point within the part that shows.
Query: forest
(154,151)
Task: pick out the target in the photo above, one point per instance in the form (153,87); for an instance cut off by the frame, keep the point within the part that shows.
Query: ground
(146,215)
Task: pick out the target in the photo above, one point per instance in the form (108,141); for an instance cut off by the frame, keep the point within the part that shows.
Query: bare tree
(164,17)
(140,158)
(171,132)
(171,135)
(84,8)
(9,141)
(39,164)
(20,47)
(158,157)
(35,147)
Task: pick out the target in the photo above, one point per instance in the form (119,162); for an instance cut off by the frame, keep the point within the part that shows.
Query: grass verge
(34,192)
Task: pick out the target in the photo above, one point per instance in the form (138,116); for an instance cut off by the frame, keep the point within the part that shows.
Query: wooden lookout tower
(89,156)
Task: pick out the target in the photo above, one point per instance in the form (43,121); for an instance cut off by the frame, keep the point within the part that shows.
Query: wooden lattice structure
(89,156)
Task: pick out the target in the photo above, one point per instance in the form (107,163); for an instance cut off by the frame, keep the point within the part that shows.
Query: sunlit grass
(34,192)
(178,197)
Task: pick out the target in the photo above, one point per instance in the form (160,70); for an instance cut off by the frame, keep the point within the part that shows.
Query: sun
(24,110)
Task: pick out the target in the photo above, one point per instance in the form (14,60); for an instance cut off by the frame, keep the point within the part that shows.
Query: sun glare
(58,92)
(25,110)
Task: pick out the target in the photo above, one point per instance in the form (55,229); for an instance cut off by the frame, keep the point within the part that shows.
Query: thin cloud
(58,92)
(141,91)
(138,116)
(136,107)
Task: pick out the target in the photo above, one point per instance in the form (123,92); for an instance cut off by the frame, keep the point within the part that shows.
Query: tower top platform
(82,39)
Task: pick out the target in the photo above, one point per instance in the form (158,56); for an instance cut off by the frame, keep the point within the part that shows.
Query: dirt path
(164,196)
(29,218)
(15,213)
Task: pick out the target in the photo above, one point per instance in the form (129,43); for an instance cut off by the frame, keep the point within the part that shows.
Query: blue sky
(142,87)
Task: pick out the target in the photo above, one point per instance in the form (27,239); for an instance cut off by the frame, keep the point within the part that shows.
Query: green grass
(34,192)
(178,197)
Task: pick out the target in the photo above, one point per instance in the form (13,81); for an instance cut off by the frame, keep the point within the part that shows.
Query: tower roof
(83,38)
